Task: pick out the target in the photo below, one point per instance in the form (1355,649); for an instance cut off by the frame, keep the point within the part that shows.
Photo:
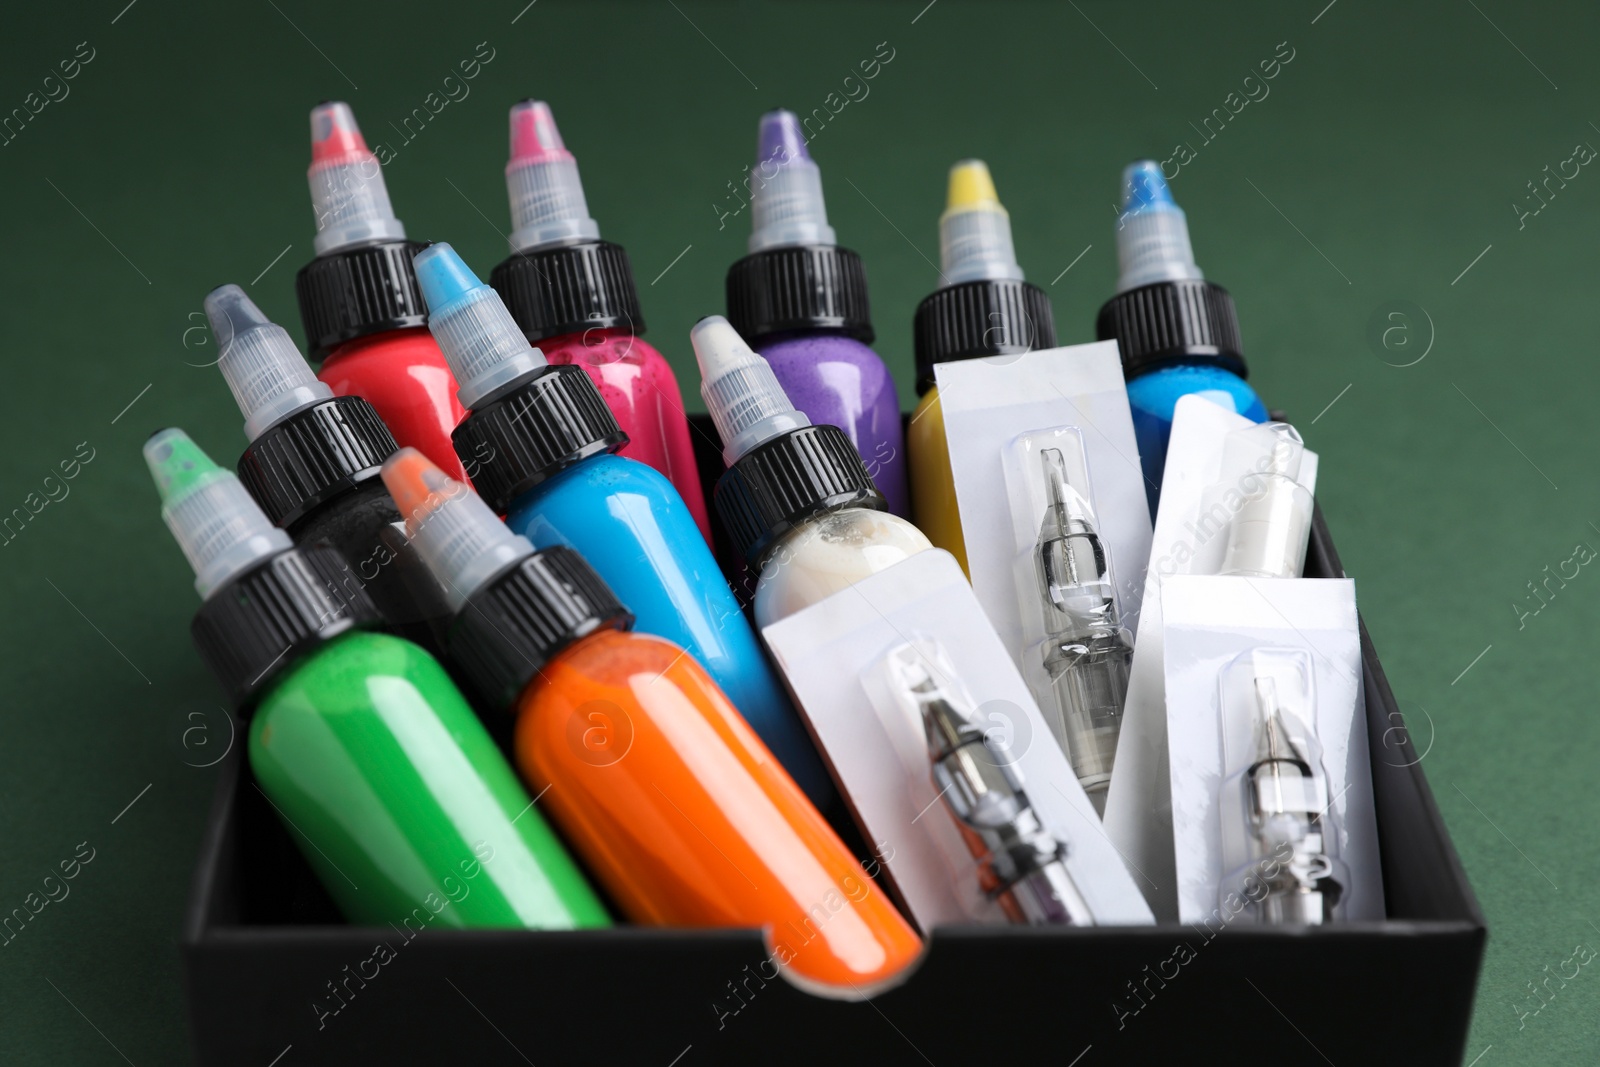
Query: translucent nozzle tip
(1152,231)
(746,402)
(534,136)
(971,186)
(220,529)
(778,136)
(177,464)
(786,205)
(269,377)
(1143,185)
(975,231)
(444,276)
(457,535)
(348,194)
(335,137)
(480,340)
(416,484)
(547,202)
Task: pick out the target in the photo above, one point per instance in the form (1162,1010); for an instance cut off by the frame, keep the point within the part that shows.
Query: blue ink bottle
(540,445)
(1178,333)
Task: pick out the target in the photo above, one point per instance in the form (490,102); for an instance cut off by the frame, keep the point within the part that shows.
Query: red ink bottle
(362,309)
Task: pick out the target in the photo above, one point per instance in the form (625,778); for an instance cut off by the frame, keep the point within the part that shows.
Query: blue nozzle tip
(444,276)
(1144,186)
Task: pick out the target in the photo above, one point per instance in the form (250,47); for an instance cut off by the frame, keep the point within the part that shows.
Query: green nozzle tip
(177,464)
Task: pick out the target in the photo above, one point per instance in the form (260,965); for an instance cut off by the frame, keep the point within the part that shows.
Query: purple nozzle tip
(779,137)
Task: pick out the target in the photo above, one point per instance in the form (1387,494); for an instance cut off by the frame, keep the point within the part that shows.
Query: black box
(272,975)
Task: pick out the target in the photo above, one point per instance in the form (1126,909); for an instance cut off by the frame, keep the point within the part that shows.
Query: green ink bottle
(394,791)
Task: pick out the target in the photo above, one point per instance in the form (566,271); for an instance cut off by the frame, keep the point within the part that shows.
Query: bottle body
(684,816)
(838,381)
(404,376)
(1153,396)
(634,528)
(642,392)
(933,487)
(401,802)
(831,552)
(366,528)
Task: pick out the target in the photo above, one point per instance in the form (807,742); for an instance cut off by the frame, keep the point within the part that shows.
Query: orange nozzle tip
(415,483)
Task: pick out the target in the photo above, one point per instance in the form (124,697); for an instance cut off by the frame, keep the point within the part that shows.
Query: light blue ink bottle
(539,444)
(1178,333)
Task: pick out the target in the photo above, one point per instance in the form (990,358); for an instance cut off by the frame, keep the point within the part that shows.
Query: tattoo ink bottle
(1179,334)
(981,308)
(801,300)
(313,463)
(398,798)
(574,297)
(796,500)
(359,301)
(557,479)
(651,773)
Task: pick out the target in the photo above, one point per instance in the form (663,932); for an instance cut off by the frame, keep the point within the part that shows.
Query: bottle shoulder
(412,344)
(819,346)
(595,350)
(340,673)
(608,659)
(603,475)
(831,552)
(1164,387)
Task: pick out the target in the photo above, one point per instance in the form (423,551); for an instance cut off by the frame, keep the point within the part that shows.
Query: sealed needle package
(1021,865)
(1274,800)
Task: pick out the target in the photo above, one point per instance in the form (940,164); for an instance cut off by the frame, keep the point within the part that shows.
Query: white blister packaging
(1053,512)
(1218,464)
(1265,714)
(838,657)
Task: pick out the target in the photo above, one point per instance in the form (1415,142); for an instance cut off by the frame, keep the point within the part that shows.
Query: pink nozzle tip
(335,137)
(534,137)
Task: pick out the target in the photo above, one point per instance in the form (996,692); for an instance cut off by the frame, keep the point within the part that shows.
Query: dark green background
(1385,159)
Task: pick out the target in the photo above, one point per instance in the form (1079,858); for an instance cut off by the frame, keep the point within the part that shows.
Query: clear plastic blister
(1076,649)
(1011,858)
(853,661)
(1256,522)
(1279,836)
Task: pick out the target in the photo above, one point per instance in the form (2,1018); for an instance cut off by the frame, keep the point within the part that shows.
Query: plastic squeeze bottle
(651,774)
(801,300)
(1179,334)
(400,801)
(555,475)
(981,308)
(796,499)
(573,295)
(313,463)
(359,300)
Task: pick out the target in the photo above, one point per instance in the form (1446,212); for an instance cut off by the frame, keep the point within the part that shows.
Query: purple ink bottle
(801,302)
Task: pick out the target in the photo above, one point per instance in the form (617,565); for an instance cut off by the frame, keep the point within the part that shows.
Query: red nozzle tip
(534,137)
(335,137)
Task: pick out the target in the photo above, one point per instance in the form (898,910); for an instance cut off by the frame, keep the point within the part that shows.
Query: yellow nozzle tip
(971,187)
